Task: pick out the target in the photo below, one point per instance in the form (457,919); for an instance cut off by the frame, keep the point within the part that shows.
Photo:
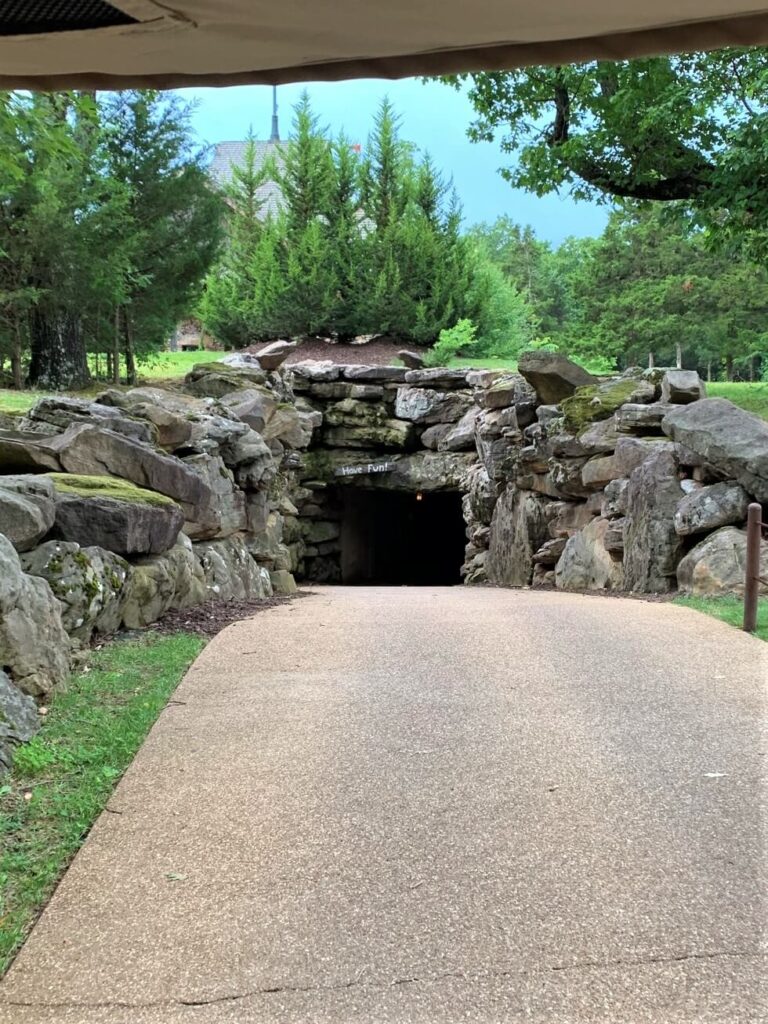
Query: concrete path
(429,806)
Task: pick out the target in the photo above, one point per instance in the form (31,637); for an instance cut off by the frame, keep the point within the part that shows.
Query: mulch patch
(380,352)
(210,618)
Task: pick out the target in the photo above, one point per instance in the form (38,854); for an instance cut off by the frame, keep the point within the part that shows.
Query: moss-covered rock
(19,720)
(106,487)
(89,582)
(34,647)
(599,401)
(114,515)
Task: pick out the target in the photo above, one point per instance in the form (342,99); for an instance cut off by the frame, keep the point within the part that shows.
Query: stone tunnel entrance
(393,538)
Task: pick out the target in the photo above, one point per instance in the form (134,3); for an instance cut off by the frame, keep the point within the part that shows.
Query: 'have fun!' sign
(366,468)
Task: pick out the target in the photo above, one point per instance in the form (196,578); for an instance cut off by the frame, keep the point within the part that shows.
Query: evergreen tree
(173,220)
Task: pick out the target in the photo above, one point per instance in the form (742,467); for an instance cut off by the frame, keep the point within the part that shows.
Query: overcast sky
(433,116)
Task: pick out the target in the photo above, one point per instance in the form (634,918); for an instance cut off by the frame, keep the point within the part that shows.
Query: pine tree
(349,248)
(306,175)
(173,219)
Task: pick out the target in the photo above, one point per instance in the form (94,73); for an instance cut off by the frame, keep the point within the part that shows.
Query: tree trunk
(651,361)
(709,371)
(752,369)
(16,352)
(130,356)
(729,367)
(678,355)
(115,360)
(58,358)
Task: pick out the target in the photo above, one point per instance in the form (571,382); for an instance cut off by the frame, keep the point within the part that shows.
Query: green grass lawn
(172,365)
(62,780)
(485,364)
(752,397)
(17,401)
(729,609)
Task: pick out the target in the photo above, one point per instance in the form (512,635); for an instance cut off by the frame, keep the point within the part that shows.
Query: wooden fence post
(752,581)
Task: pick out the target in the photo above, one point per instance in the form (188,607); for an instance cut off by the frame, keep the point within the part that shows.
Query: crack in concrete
(359,982)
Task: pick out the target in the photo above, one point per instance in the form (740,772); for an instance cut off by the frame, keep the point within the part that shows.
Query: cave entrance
(396,538)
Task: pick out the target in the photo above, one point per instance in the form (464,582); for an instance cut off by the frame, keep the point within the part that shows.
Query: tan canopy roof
(49,44)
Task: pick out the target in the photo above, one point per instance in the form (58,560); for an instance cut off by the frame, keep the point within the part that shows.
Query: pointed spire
(275,136)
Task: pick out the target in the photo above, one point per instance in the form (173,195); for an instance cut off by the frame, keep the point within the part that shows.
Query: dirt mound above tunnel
(379,352)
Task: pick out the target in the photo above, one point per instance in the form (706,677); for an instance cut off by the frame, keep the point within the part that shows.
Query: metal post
(752,581)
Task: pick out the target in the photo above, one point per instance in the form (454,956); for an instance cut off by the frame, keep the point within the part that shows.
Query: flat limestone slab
(429,805)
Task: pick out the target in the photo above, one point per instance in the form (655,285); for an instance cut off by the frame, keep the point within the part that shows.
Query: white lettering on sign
(366,468)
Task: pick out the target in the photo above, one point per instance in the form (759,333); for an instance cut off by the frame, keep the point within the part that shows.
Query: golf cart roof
(92,44)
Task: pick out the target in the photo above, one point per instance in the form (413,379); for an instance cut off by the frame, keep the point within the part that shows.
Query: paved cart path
(435,806)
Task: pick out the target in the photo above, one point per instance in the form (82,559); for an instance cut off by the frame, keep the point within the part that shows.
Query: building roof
(227,155)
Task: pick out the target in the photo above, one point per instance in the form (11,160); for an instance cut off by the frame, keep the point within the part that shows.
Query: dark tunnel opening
(394,538)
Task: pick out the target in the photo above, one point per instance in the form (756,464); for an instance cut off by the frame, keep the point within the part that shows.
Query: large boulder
(25,451)
(314,371)
(732,440)
(113,514)
(228,513)
(510,390)
(253,406)
(283,582)
(480,496)
(61,412)
(34,646)
(389,434)
(274,355)
(432,436)
(89,451)
(150,592)
(599,401)
(635,418)
(436,377)
(189,582)
(566,517)
(718,564)
(90,583)
(294,425)
(212,380)
(553,376)
(427,471)
(267,546)
(411,360)
(377,374)
(652,548)
(630,453)
(19,720)
(174,580)
(426,406)
(707,508)
(586,563)
(172,428)
(27,509)
(518,529)
(614,501)
(682,387)
(230,571)
(461,436)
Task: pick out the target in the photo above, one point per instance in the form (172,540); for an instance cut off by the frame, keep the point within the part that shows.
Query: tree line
(361,243)
(651,290)
(112,231)
(107,227)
